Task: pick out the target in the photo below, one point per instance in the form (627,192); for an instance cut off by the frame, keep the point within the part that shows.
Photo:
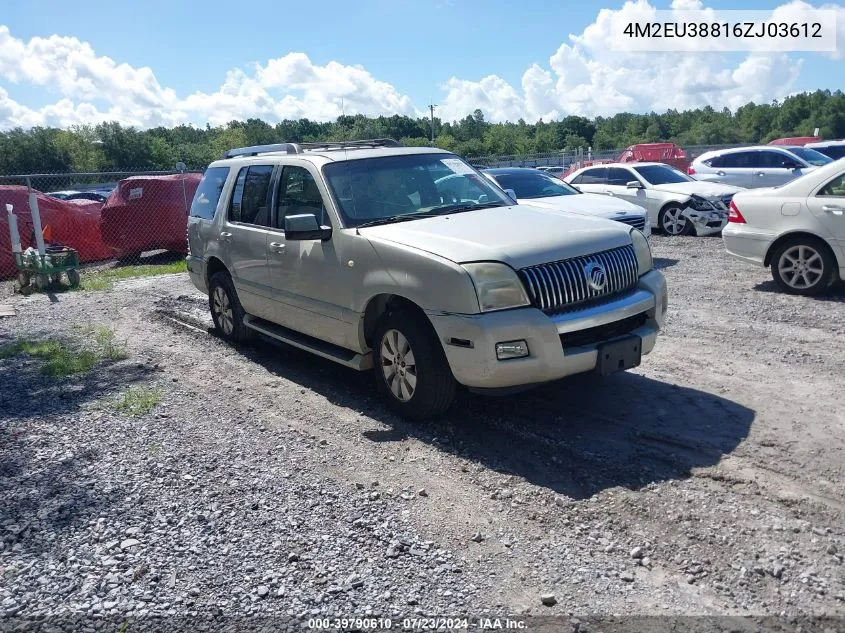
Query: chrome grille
(563,285)
(637,221)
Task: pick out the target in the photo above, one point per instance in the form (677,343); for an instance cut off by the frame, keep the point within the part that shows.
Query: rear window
(208,192)
(834,151)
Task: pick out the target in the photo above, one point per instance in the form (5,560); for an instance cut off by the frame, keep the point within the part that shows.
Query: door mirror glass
(305,227)
(634,184)
(511,193)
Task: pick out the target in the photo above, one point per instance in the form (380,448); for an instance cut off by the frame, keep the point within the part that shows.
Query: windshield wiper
(449,208)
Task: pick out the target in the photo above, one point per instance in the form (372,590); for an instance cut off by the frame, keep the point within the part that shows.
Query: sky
(167,63)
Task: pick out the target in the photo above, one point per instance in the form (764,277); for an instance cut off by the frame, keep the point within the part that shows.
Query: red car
(796,140)
(146,213)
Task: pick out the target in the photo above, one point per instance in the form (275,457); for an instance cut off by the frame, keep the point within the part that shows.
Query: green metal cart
(38,272)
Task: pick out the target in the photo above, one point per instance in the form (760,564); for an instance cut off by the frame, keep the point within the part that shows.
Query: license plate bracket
(619,355)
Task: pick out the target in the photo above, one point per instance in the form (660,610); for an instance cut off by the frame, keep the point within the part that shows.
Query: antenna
(431,108)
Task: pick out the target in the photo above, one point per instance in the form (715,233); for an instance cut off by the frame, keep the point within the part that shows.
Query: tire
(42,282)
(416,382)
(24,278)
(73,278)
(673,222)
(226,309)
(803,266)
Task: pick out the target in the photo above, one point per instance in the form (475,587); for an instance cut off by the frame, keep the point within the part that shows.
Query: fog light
(511,349)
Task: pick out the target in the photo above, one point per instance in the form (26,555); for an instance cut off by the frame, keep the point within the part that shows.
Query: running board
(338,354)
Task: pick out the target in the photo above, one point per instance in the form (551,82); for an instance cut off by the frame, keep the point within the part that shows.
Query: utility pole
(431,108)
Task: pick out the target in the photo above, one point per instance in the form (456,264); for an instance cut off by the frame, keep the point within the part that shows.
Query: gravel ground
(708,481)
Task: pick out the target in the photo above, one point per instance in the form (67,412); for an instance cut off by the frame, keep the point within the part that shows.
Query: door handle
(277,247)
(760,173)
(720,173)
(834,209)
(225,236)
(610,193)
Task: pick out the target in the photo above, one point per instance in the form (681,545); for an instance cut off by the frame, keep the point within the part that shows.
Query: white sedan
(532,186)
(797,229)
(676,203)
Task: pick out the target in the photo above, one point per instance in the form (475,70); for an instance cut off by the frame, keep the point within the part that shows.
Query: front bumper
(707,222)
(470,340)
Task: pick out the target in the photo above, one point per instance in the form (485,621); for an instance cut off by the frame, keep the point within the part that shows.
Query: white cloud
(586,77)
(583,76)
(287,87)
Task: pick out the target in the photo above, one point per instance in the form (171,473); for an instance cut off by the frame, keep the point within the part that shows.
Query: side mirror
(634,184)
(305,227)
(511,193)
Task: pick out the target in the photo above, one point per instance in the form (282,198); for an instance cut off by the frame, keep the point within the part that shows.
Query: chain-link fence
(128,218)
(93,220)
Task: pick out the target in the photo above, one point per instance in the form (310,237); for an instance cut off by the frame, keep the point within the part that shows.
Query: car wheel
(412,372)
(672,221)
(73,277)
(803,266)
(226,310)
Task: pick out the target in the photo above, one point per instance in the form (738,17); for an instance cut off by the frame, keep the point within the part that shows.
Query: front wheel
(226,310)
(412,372)
(672,221)
(803,266)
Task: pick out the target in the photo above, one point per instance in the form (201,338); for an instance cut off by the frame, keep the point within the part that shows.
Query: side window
(298,193)
(774,159)
(208,192)
(739,160)
(716,161)
(594,177)
(835,188)
(619,176)
(577,180)
(250,203)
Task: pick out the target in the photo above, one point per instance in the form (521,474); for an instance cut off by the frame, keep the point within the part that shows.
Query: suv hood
(699,188)
(520,236)
(587,204)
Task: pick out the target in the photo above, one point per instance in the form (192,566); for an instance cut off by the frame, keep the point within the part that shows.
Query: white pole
(14,234)
(36,219)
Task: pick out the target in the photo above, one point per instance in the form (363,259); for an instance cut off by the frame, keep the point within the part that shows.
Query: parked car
(795,140)
(676,203)
(553,170)
(833,149)
(754,167)
(529,186)
(95,196)
(350,250)
(148,213)
(798,230)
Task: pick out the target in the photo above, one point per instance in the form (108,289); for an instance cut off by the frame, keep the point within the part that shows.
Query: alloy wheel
(398,365)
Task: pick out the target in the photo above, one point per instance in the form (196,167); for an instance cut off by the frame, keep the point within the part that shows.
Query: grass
(104,279)
(138,401)
(64,357)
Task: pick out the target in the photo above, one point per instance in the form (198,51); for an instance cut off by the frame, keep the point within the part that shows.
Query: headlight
(643,252)
(497,286)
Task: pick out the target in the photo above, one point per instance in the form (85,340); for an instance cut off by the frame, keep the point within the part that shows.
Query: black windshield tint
(529,184)
(375,188)
(661,174)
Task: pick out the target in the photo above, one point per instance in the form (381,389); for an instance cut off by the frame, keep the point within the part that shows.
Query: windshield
(810,155)
(386,189)
(534,184)
(662,175)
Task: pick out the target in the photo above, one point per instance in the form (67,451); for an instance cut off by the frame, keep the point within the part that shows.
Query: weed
(138,401)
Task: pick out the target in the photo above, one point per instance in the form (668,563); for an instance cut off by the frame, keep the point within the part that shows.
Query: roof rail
(333,145)
(255,150)
(298,148)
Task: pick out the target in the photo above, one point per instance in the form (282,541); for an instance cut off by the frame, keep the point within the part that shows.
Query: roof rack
(299,148)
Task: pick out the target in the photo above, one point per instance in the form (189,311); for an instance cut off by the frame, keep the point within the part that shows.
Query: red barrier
(149,212)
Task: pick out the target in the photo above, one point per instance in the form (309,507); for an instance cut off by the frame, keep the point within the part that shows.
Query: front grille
(563,285)
(637,221)
(605,332)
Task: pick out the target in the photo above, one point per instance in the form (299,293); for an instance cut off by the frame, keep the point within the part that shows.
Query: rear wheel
(412,372)
(226,310)
(672,221)
(803,266)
